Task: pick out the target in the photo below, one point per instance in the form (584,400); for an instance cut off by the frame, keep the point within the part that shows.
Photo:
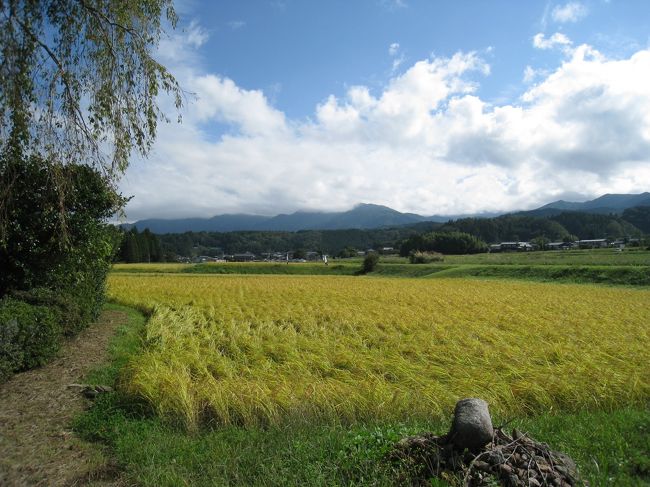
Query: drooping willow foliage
(79,84)
(81,75)
(79,88)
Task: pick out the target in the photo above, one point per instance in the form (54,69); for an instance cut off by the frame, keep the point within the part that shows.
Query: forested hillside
(328,241)
(146,246)
(557,227)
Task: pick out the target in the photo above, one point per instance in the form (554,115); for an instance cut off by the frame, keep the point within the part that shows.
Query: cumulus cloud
(248,110)
(425,143)
(570,12)
(540,41)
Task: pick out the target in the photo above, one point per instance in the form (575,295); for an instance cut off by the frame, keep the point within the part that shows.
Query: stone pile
(479,455)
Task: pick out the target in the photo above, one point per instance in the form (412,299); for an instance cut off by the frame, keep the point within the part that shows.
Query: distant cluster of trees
(449,243)
(140,247)
(469,235)
(554,228)
(638,216)
(331,242)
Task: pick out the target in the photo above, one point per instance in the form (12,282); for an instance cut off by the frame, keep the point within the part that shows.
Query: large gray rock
(472,425)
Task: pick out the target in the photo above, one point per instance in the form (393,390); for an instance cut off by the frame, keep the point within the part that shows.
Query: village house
(560,245)
(245,257)
(512,247)
(596,243)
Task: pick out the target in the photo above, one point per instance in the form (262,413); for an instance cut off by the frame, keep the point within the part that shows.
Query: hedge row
(55,253)
(29,335)
(33,323)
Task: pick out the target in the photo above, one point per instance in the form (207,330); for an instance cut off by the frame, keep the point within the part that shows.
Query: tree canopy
(443,242)
(79,88)
(79,80)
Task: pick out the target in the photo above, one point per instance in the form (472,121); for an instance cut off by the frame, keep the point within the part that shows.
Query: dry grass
(261,349)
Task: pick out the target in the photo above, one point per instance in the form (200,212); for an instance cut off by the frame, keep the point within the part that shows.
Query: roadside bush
(418,257)
(53,240)
(55,253)
(29,335)
(369,263)
(72,319)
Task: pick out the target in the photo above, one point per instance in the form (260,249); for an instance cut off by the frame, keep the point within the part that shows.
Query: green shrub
(419,257)
(369,263)
(55,253)
(29,335)
(53,239)
(65,305)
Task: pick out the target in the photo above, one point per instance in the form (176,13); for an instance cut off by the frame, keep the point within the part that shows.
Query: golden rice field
(263,349)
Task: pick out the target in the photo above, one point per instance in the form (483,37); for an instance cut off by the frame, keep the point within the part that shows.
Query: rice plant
(258,350)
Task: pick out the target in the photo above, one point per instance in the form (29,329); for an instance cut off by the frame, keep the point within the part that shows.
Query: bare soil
(37,446)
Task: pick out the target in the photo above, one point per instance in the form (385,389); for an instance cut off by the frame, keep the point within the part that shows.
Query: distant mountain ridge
(368,216)
(362,216)
(608,203)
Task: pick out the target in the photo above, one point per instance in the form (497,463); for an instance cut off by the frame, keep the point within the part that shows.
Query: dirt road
(37,447)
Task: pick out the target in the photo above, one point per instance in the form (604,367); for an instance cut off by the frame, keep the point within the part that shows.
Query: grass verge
(612,275)
(609,272)
(611,448)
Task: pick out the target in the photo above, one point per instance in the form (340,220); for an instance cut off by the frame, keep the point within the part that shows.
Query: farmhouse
(512,247)
(245,257)
(560,245)
(597,243)
(207,258)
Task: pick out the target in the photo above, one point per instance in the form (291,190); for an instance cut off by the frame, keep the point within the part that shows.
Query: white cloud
(220,99)
(398,59)
(540,41)
(570,12)
(196,35)
(529,74)
(426,143)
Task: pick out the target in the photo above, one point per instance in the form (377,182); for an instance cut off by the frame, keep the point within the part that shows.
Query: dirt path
(37,446)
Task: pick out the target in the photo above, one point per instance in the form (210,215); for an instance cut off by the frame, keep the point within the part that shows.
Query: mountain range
(606,204)
(366,216)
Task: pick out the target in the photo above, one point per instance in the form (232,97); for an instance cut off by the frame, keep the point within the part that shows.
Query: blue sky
(432,107)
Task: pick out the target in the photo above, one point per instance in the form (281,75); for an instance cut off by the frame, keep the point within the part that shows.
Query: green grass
(613,275)
(293,268)
(611,448)
(126,343)
(557,257)
(630,256)
(601,266)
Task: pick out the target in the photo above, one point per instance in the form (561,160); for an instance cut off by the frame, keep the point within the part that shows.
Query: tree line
(78,95)
(140,247)
(331,242)
(566,226)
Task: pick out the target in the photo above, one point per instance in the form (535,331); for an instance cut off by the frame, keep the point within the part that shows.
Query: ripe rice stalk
(257,350)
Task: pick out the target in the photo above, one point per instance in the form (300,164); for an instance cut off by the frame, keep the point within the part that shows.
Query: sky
(429,107)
